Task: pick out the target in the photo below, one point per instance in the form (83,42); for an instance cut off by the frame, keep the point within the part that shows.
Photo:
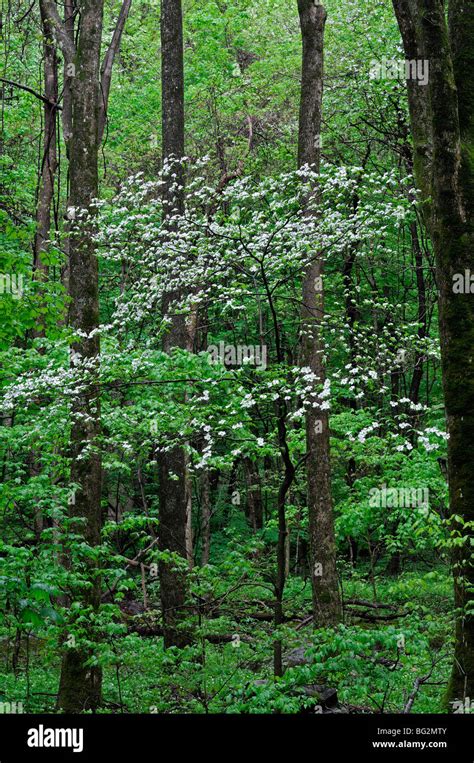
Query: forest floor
(373,659)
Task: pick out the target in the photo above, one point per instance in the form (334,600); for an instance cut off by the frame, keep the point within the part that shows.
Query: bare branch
(30,90)
(108,62)
(63,40)
(419,682)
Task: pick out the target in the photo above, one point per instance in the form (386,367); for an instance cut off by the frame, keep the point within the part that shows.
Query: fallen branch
(304,622)
(416,688)
(371,617)
(369,604)
(419,683)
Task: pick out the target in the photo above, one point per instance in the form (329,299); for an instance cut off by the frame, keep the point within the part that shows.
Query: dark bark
(205,519)
(454,245)
(80,685)
(409,22)
(419,262)
(326,598)
(280,578)
(49,160)
(289,472)
(450,52)
(173,492)
(172,98)
(418,369)
(254,504)
(69,27)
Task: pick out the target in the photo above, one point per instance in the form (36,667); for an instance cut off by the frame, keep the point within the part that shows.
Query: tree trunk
(205,519)
(450,94)
(280,576)
(49,160)
(173,505)
(80,685)
(254,495)
(453,196)
(108,63)
(326,599)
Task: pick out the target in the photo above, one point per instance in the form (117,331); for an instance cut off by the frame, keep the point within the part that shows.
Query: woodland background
(185,534)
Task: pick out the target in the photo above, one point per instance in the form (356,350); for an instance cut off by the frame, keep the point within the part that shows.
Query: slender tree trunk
(205,519)
(49,160)
(70,15)
(189,516)
(108,63)
(66,121)
(418,370)
(173,505)
(254,495)
(80,685)
(44,202)
(417,251)
(280,577)
(326,599)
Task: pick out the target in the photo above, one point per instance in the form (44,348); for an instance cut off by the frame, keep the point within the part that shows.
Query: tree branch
(63,40)
(108,62)
(30,90)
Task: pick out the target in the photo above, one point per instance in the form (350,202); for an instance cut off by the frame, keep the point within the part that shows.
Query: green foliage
(240,252)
